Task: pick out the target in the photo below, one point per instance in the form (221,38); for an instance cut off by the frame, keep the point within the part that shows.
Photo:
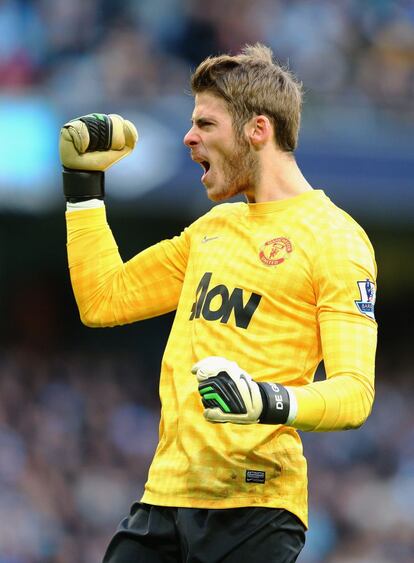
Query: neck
(280,178)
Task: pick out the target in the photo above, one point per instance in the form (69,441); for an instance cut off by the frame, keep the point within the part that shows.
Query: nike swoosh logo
(208,239)
(247,381)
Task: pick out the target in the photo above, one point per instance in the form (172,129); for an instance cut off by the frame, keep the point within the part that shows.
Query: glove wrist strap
(80,185)
(276,403)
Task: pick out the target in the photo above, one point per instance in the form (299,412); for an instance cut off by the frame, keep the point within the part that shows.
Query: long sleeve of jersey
(110,292)
(344,280)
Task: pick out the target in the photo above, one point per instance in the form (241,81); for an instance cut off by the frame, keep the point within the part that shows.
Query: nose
(191,139)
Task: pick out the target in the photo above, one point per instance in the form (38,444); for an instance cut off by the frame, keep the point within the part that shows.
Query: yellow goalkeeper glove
(88,146)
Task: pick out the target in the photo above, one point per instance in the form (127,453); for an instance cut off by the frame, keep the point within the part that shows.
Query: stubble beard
(241,172)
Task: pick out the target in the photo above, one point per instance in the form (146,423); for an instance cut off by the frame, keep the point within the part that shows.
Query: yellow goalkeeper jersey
(274,286)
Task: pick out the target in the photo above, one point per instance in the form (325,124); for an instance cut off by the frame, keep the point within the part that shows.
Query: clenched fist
(88,146)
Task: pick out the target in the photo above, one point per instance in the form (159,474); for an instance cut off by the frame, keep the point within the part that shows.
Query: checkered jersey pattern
(273,286)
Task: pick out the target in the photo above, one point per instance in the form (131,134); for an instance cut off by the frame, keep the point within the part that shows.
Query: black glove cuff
(80,185)
(276,403)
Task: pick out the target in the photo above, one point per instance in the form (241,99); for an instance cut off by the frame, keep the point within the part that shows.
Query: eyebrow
(202,120)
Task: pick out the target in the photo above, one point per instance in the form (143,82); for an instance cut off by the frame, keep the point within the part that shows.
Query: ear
(259,130)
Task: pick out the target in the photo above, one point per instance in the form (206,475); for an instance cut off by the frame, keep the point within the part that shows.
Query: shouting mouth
(206,167)
(204,163)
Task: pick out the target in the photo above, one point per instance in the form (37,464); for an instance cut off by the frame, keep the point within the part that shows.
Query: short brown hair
(253,83)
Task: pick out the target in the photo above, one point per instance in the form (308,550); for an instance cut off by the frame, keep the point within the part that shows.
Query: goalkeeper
(263,291)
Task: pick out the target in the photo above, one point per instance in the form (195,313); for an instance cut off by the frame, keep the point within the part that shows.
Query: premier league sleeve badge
(366,303)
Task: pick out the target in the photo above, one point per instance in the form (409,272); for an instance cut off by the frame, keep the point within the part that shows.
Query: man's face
(230,165)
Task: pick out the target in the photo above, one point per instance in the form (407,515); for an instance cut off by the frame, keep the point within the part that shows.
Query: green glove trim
(208,393)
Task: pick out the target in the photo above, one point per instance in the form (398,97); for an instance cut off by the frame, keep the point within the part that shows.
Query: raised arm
(109,292)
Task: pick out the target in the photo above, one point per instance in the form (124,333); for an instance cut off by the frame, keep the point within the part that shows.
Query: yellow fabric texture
(272,286)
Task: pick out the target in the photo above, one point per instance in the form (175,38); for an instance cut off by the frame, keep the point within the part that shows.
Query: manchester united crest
(275,251)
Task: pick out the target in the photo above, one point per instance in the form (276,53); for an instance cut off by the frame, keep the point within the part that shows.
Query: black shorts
(157,534)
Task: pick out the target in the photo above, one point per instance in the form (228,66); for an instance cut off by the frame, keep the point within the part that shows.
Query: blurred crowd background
(79,408)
